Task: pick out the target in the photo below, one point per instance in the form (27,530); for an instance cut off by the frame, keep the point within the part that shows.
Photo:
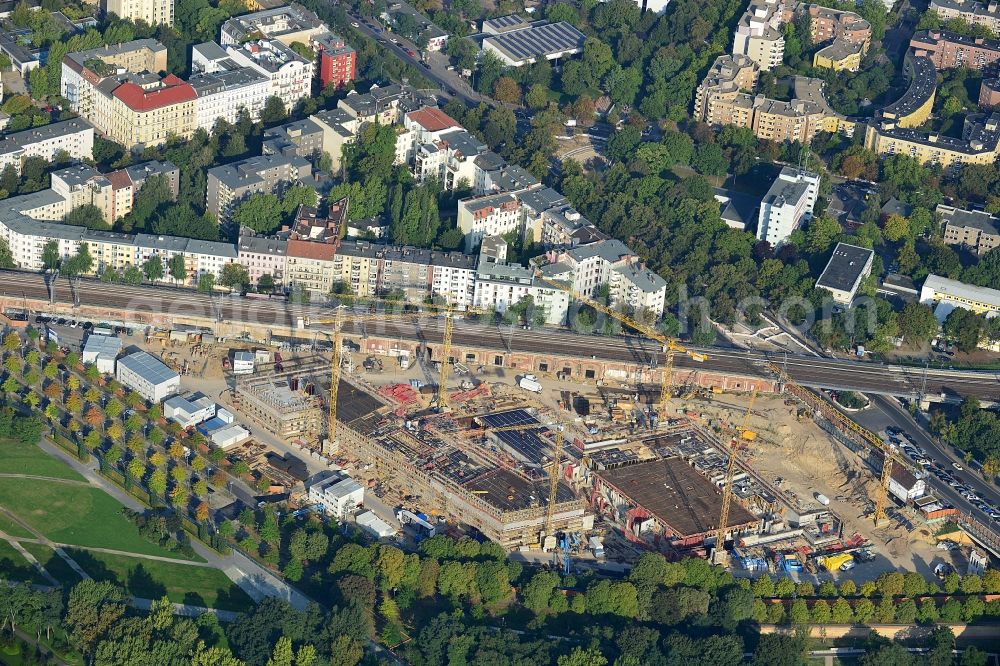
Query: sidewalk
(255,580)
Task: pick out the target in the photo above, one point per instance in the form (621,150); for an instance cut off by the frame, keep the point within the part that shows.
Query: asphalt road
(945,457)
(810,371)
(448,81)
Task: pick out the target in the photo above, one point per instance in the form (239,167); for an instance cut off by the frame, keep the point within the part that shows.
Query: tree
(623,143)
(88,215)
(261,213)
(152,268)
(50,255)
(780,650)
(840,612)
(582,657)
(178,269)
(235,276)
(965,327)
(80,263)
(917,323)
(93,609)
(206,283)
(895,228)
(274,111)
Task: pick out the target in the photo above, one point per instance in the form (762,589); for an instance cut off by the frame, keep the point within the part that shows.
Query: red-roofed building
(309,265)
(147,115)
(422,126)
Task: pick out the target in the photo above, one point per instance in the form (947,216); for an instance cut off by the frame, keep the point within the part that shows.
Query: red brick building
(337,61)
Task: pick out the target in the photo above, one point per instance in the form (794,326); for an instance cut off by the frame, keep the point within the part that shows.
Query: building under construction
(289,403)
(455,469)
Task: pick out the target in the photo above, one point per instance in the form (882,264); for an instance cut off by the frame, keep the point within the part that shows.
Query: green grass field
(18,458)
(198,586)
(77,515)
(13,566)
(13,529)
(52,563)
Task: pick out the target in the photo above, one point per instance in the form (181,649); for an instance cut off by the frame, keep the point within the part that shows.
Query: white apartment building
(226,94)
(153,12)
(490,215)
(425,125)
(638,288)
(787,205)
(453,278)
(499,286)
(758,34)
(74,137)
(287,24)
(290,74)
(450,160)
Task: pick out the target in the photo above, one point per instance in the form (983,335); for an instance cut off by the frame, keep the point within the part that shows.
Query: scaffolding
(289,403)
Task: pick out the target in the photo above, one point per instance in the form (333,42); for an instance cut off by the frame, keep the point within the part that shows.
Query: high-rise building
(788,203)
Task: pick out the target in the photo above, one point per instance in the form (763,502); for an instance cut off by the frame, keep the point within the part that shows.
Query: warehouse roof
(537,41)
(148,367)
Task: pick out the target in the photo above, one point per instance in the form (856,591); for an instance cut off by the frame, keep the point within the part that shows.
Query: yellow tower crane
(873,441)
(742,432)
(336,361)
(449,327)
(671,346)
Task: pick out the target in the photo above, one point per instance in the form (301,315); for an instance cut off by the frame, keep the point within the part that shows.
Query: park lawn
(55,565)
(77,515)
(19,458)
(13,566)
(13,529)
(151,579)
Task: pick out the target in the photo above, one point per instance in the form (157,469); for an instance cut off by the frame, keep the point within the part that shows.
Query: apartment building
(490,215)
(840,56)
(729,76)
(384,105)
(976,230)
(500,285)
(153,12)
(111,250)
(587,267)
(950,50)
(980,143)
(310,265)
(977,13)
(638,289)
(493,174)
(339,129)
(848,266)
(231,184)
(337,63)
(914,107)
(225,94)
(74,137)
(451,160)
(788,203)
(826,24)
(289,24)
(83,185)
(263,256)
(116,89)
(758,34)
(564,227)
(290,75)
(425,125)
(453,277)
(303,138)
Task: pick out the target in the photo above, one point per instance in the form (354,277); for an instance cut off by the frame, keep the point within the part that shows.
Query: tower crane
(727,489)
(671,346)
(870,439)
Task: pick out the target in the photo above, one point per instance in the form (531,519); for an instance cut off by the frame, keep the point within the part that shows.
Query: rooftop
(103,345)
(923,82)
(148,367)
(432,119)
(535,41)
(676,495)
(956,289)
(847,265)
(171,91)
(11,143)
(968,218)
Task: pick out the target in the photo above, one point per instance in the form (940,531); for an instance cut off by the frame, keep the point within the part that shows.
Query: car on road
(957,466)
(355,24)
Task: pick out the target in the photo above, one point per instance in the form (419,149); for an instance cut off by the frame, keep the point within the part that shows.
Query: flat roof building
(847,267)
(949,294)
(147,376)
(973,229)
(102,350)
(520,43)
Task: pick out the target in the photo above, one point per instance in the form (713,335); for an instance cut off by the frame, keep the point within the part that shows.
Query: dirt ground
(801,460)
